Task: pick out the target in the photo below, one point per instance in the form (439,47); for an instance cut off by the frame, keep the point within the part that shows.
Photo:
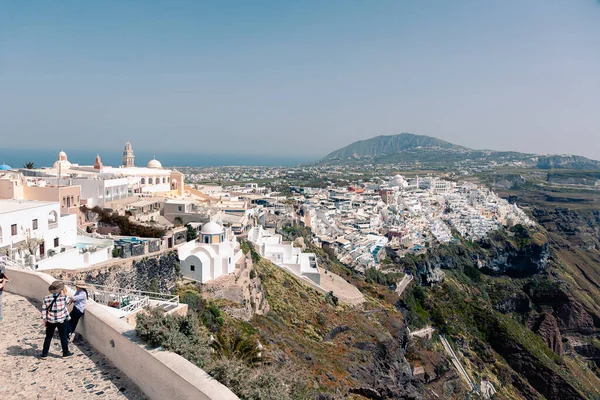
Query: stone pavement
(85,375)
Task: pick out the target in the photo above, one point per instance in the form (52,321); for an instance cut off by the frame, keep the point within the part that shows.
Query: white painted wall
(70,259)
(66,231)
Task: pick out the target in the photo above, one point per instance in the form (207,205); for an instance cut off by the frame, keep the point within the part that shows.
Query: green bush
(179,334)
(243,348)
(208,313)
(191,233)
(262,383)
(212,318)
(390,280)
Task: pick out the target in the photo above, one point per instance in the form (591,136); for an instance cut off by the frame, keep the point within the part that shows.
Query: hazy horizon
(299,79)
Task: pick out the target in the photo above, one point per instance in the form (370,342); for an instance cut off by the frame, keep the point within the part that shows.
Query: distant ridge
(433,152)
(391,144)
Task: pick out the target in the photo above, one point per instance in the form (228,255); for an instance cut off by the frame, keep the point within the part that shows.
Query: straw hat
(56,287)
(80,284)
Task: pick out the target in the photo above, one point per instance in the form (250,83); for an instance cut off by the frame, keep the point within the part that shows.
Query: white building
(214,253)
(271,247)
(102,184)
(34,229)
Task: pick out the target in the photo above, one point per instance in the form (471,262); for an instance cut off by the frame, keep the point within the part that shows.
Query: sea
(16,158)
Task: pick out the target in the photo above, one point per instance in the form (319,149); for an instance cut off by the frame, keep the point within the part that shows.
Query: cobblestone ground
(85,375)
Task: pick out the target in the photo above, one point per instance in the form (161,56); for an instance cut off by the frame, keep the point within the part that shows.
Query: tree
(192,233)
(29,165)
(153,286)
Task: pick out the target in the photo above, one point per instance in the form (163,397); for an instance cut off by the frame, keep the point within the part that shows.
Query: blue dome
(4,167)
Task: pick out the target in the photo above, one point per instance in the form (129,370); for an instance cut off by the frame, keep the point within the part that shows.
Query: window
(13,229)
(34,224)
(205,239)
(55,242)
(179,208)
(192,268)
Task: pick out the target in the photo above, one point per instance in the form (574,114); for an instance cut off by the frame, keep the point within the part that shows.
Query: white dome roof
(62,154)
(211,228)
(154,164)
(397,180)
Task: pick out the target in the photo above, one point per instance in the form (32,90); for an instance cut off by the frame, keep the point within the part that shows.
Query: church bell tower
(128,156)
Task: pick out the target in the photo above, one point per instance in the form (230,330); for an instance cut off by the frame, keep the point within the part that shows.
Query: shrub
(193,300)
(243,348)
(252,274)
(191,233)
(260,383)
(212,318)
(179,334)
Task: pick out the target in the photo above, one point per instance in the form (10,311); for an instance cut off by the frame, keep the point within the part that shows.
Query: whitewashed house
(30,228)
(214,253)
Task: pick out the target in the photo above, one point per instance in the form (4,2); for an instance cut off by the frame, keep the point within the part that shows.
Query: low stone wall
(159,374)
(158,270)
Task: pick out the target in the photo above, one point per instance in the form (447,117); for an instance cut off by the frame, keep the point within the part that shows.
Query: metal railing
(136,305)
(127,300)
(14,264)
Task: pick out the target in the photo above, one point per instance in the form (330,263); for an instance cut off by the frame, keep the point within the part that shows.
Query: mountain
(391,144)
(433,153)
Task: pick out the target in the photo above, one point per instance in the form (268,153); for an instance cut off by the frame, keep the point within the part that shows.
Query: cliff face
(547,328)
(498,255)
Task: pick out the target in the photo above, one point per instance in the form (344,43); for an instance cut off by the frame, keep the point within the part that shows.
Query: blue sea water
(46,157)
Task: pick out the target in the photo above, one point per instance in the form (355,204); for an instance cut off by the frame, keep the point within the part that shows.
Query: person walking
(56,316)
(79,299)
(3,280)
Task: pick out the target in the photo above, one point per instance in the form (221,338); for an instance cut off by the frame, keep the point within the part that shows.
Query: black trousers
(62,331)
(75,315)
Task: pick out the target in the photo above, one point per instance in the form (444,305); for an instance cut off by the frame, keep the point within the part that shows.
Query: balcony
(52,225)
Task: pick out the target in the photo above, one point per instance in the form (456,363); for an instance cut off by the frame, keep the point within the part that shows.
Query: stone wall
(157,272)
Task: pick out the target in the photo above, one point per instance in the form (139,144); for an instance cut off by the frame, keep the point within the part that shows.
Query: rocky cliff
(500,254)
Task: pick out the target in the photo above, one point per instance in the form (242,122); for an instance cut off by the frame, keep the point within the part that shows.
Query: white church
(214,253)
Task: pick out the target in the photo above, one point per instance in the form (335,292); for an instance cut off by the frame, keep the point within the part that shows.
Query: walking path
(425,332)
(85,375)
(457,363)
(403,283)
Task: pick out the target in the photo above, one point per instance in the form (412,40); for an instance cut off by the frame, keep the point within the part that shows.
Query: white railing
(14,264)
(127,300)
(136,305)
(52,225)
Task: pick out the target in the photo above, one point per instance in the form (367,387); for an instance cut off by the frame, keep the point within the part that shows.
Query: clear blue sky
(299,77)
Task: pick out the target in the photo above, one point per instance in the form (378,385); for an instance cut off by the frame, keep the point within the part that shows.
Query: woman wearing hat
(56,315)
(79,298)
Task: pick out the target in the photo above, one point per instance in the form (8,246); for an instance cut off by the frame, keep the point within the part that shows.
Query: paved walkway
(85,375)
(403,284)
(457,363)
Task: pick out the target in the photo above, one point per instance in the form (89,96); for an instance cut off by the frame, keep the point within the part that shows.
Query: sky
(299,78)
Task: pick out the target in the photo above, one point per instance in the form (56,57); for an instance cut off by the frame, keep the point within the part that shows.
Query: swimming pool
(81,246)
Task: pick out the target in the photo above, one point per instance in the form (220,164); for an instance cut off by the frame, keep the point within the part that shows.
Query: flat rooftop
(9,206)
